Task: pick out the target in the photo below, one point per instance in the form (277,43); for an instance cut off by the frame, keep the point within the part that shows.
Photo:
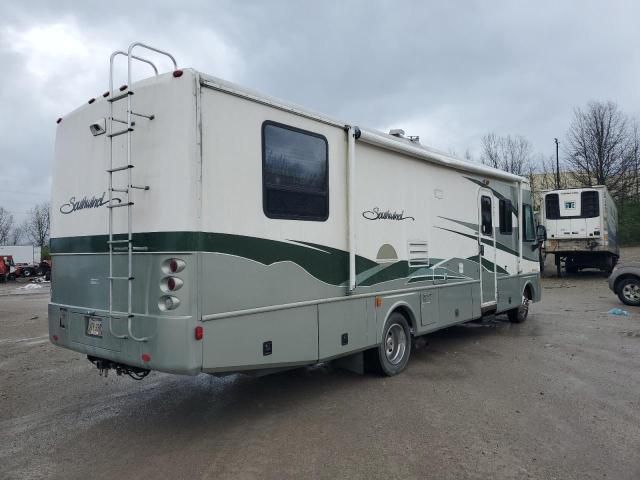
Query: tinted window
(552,206)
(295,168)
(590,204)
(485,214)
(528,225)
(506,223)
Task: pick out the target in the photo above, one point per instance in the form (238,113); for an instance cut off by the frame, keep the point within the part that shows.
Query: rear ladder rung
(120,190)
(133,124)
(128,204)
(118,169)
(121,278)
(120,97)
(120,132)
(119,241)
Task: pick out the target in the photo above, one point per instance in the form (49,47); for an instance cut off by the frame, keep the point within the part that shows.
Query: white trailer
(582,228)
(229,231)
(22,254)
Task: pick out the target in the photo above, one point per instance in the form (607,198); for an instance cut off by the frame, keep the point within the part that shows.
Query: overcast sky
(447,71)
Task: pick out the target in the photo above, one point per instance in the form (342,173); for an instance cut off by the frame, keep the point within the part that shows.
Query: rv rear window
(552,206)
(295,173)
(590,204)
(506,222)
(485,216)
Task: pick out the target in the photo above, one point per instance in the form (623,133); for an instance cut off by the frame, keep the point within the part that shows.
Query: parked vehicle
(255,235)
(43,268)
(25,270)
(6,268)
(625,282)
(582,228)
(27,254)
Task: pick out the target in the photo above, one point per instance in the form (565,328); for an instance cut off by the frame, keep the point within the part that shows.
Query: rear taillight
(171,284)
(168,302)
(173,265)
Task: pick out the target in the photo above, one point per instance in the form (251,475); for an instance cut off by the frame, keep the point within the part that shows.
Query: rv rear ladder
(127,202)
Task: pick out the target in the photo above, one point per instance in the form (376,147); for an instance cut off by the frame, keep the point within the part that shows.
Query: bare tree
(16,235)
(511,154)
(599,148)
(548,174)
(36,227)
(6,224)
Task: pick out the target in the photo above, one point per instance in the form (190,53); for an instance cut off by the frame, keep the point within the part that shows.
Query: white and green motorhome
(202,227)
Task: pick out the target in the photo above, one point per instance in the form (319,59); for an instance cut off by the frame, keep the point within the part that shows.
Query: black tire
(27,272)
(392,355)
(40,271)
(11,277)
(520,314)
(628,291)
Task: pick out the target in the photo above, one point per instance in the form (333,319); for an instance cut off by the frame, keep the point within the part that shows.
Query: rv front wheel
(392,355)
(520,314)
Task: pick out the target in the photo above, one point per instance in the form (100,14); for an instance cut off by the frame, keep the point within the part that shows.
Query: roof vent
(397,132)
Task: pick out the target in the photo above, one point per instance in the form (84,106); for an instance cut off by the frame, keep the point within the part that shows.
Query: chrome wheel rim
(631,292)
(524,308)
(395,344)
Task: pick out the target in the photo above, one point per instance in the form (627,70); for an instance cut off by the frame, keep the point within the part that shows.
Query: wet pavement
(555,397)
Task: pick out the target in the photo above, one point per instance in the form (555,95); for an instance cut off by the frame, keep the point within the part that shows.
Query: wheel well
(528,291)
(622,277)
(408,315)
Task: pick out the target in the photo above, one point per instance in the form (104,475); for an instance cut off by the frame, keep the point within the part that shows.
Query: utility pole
(557,165)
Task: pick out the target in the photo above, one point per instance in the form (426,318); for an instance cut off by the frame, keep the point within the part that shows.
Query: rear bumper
(171,346)
(576,245)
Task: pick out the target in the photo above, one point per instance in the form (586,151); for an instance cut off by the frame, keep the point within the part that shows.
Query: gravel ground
(557,397)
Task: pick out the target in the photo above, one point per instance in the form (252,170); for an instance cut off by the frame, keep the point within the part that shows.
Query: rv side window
(590,204)
(552,206)
(528,226)
(485,214)
(295,173)
(506,224)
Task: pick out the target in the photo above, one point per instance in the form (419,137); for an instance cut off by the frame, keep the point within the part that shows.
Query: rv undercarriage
(105,365)
(576,261)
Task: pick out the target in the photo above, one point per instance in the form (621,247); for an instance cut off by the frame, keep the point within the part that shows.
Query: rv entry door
(487,248)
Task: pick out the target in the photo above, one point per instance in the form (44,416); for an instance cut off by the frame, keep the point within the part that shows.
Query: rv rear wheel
(392,355)
(520,314)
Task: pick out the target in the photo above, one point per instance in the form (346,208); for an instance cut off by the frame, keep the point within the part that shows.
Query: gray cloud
(449,73)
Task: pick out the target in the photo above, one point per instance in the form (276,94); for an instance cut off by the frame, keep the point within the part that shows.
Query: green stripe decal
(329,265)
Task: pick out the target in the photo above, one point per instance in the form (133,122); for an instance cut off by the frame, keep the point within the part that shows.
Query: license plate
(94,327)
